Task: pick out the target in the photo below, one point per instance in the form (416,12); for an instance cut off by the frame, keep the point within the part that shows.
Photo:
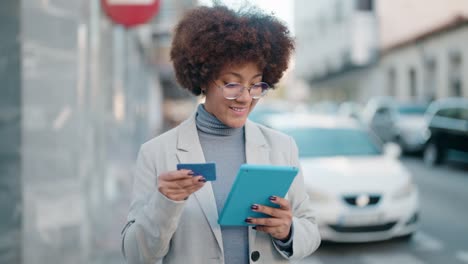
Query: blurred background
(79,94)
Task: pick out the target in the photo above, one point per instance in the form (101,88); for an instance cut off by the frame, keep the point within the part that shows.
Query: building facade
(79,96)
(355,50)
(336,43)
(431,65)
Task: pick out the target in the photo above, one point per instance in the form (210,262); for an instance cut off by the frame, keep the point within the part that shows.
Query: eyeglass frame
(263,93)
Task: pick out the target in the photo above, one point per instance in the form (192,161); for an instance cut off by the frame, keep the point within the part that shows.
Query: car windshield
(412,110)
(325,142)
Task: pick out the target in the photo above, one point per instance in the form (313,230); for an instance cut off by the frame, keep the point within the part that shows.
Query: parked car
(265,109)
(411,123)
(351,109)
(324,107)
(403,123)
(358,187)
(447,133)
(380,116)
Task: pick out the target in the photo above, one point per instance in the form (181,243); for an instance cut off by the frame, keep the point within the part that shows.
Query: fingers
(286,218)
(283,212)
(278,232)
(178,185)
(283,203)
(267,222)
(176,175)
(279,224)
(180,194)
(184,183)
(179,178)
(278,228)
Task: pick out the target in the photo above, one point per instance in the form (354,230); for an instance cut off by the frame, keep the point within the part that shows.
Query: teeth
(237,109)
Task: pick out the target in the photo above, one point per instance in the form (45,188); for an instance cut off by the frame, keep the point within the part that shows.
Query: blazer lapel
(189,151)
(256,147)
(256,152)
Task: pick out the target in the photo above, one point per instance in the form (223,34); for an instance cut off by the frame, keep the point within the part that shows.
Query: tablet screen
(254,184)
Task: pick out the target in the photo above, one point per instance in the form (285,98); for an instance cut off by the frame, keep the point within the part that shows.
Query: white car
(380,115)
(359,188)
(412,126)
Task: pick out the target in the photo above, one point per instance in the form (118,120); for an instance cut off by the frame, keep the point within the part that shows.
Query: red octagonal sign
(130,13)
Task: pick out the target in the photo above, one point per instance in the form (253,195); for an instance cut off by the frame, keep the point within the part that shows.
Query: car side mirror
(392,150)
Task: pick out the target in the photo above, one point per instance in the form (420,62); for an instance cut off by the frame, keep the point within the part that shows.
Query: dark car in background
(447,131)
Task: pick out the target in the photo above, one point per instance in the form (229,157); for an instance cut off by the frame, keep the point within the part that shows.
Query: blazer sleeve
(153,218)
(306,237)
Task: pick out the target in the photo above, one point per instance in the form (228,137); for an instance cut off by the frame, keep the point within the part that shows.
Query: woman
(232,58)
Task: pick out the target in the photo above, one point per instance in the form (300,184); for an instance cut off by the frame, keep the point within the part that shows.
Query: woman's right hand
(178,185)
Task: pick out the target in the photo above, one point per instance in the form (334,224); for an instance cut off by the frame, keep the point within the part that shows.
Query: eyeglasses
(234,90)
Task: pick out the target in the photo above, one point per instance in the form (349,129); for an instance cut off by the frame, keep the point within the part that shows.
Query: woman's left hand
(279,224)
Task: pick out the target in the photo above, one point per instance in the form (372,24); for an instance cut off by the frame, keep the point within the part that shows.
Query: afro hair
(207,39)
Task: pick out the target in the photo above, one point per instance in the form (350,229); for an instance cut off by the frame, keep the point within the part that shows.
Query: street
(443,233)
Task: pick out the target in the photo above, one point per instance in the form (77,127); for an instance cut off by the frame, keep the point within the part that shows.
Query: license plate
(361,219)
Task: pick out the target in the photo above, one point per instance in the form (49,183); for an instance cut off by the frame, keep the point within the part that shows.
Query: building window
(457,88)
(412,82)
(338,11)
(391,88)
(455,80)
(365,5)
(346,58)
(430,85)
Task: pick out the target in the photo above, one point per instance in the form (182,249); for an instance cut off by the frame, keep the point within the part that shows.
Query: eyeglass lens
(234,90)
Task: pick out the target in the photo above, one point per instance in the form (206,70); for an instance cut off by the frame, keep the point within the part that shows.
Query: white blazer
(160,230)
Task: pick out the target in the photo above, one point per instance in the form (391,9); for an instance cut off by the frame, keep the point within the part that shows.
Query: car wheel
(432,155)
(399,140)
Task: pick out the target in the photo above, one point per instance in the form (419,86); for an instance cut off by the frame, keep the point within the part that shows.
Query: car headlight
(405,191)
(318,196)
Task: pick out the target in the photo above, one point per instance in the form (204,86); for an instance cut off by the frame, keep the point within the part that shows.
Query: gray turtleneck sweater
(215,136)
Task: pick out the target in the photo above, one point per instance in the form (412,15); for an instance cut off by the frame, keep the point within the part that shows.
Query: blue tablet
(254,184)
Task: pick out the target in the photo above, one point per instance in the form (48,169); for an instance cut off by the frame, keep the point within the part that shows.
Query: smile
(239,111)
(236,109)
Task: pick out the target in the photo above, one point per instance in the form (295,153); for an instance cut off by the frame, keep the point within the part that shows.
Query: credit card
(207,170)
